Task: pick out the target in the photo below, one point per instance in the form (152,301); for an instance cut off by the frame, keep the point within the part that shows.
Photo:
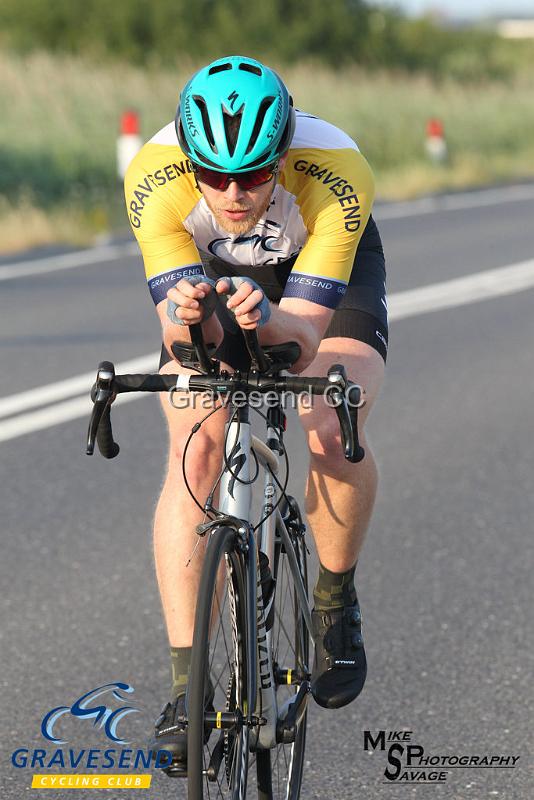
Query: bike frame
(265,723)
(236,502)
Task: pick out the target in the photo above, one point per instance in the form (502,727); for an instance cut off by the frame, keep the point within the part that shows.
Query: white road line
(454,202)
(53,415)
(426,299)
(81,258)
(70,387)
(400,210)
(460,291)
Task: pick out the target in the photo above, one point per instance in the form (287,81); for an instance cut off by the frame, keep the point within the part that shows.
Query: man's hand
(191,302)
(248,302)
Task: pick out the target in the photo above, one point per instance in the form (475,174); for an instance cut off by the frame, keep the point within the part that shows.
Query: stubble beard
(242,225)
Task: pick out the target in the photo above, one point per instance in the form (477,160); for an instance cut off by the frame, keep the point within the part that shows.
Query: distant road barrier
(129,142)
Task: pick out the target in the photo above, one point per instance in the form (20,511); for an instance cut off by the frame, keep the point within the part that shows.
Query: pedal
(291,677)
(176,770)
(286,728)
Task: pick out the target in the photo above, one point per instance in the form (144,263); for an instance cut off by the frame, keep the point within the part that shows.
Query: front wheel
(218,751)
(279,770)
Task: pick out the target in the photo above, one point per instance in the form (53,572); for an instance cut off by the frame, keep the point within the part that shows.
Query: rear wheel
(279,770)
(217,762)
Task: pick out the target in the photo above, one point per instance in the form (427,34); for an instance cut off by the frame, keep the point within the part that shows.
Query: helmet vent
(232,124)
(266,103)
(256,163)
(219,68)
(201,103)
(200,158)
(250,68)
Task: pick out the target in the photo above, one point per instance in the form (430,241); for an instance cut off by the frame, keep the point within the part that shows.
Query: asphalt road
(445,579)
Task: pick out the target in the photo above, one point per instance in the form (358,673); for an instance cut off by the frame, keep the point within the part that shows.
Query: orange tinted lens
(246,180)
(217,180)
(249,180)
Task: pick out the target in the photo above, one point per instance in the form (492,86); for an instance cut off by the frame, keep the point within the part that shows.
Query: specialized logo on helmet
(276,124)
(232,98)
(193,131)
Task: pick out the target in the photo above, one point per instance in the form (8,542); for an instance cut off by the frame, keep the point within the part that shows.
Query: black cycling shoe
(171,734)
(340,666)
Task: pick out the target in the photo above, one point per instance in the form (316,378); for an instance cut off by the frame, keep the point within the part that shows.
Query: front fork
(277,724)
(262,716)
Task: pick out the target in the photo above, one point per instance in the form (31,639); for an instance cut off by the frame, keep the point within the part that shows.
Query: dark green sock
(334,589)
(180,665)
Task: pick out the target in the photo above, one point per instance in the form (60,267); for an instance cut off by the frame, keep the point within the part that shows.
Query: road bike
(246,703)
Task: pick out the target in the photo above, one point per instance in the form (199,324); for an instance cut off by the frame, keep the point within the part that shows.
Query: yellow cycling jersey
(318,212)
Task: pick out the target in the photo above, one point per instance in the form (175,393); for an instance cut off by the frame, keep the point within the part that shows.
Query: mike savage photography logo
(408,761)
(103,709)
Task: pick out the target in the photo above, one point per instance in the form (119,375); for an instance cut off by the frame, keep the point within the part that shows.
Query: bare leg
(177,515)
(340,495)
(339,502)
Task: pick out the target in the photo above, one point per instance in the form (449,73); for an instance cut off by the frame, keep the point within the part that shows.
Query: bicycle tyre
(279,773)
(222,589)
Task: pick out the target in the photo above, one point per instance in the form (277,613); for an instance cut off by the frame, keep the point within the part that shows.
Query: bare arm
(296,320)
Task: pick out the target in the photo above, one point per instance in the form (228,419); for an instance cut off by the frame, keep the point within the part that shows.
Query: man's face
(236,210)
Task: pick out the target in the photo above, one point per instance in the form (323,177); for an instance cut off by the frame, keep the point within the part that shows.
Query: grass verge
(58,137)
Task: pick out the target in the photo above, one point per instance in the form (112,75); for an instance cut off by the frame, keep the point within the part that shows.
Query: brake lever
(102,397)
(348,419)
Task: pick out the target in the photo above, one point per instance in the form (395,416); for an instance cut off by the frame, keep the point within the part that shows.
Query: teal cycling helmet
(235,115)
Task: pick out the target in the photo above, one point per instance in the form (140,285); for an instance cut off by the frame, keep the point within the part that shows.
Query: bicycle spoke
(290,651)
(283,627)
(221,658)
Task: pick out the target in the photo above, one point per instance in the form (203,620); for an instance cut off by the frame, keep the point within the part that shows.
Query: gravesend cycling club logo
(106,710)
(101,715)
(410,762)
(264,242)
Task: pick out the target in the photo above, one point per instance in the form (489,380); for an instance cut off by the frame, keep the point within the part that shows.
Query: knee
(325,444)
(203,450)
(324,437)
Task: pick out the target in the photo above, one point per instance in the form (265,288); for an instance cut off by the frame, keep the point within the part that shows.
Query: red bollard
(129,142)
(435,143)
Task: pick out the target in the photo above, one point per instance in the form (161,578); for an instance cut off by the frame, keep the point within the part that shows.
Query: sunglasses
(245,180)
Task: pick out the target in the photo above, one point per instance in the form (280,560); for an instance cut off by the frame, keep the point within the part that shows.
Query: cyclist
(243,185)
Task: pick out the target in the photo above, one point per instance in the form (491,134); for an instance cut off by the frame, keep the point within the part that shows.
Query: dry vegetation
(59,128)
